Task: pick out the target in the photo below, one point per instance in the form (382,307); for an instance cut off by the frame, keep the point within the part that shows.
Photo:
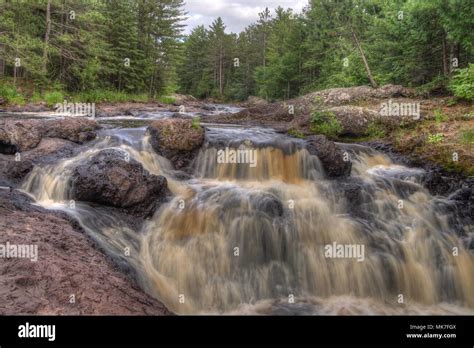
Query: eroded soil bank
(71,275)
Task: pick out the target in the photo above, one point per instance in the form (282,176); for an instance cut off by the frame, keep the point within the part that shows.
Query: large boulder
(354,120)
(346,95)
(330,155)
(75,129)
(256,101)
(177,139)
(22,135)
(49,151)
(13,172)
(108,178)
(19,135)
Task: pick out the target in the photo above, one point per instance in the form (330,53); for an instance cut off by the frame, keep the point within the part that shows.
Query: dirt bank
(68,264)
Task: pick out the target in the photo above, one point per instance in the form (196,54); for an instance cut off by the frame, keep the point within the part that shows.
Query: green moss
(295,133)
(196,122)
(325,122)
(467,136)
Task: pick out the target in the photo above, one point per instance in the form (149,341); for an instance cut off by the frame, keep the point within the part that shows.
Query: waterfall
(241,239)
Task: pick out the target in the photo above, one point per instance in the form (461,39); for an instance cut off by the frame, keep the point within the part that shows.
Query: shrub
(435,138)
(196,122)
(296,133)
(10,94)
(36,97)
(462,84)
(52,98)
(440,116)
(375,130)
(102,95)
(325,122)
(467,136)
(166,99)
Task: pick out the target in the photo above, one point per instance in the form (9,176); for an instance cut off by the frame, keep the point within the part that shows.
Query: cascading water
(238,238)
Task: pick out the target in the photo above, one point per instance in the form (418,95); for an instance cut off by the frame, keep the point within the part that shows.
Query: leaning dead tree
(366,65)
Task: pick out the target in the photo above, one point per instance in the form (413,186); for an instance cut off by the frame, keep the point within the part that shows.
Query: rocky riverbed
(113,183)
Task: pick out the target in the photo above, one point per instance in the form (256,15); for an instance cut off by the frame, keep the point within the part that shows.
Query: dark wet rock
(354,193)
(179,175)
(440,182)
(463,200)
(209,107)
(178,140)
(268,204)
(12,172)
(51,150)
(180,115)
(330,155)
(108,178)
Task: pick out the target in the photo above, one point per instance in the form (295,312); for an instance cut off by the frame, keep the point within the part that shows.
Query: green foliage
(10,94)
(54,97)
(435,138)
(110,96)
(375,130)
(89,51)
(462,84)
(36,97)
(325,122)
(166,99)
(296,133)
(440,116)
(280,56)
(437,85)
(196,122)
(467,136)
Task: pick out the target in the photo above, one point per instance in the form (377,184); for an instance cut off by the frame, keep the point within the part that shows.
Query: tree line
(125,45)
(331,44)
(138,46)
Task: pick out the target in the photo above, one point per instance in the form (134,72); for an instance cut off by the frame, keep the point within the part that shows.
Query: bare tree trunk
(63,30)
(2,60)
(221,90)
(46,38)
(445,58)
(366,65)
(264,48)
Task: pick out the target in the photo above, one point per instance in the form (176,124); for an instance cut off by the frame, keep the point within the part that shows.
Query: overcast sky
(237,14)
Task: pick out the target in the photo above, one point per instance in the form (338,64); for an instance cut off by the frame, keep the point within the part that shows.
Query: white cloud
(236,14)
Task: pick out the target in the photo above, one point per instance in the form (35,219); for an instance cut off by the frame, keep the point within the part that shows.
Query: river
(242,239)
